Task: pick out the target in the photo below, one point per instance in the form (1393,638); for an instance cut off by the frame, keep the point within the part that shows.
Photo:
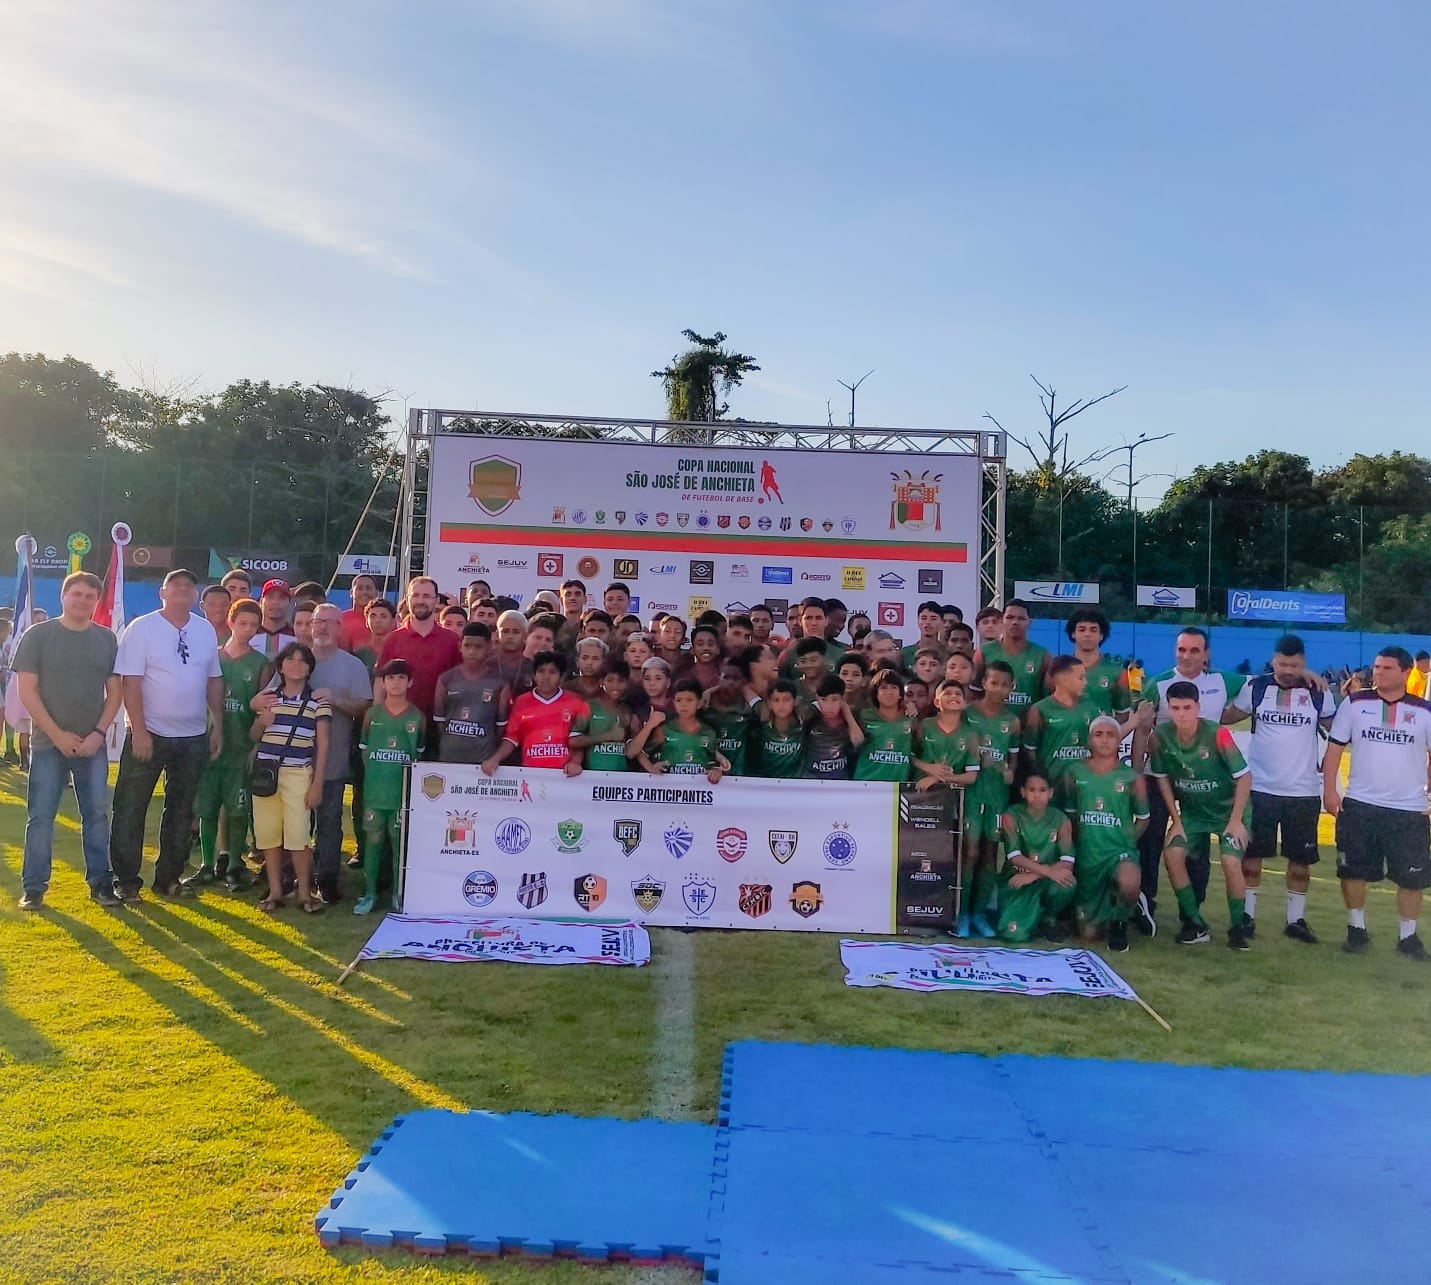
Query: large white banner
(746,853)
(689,528)
(519,941)
(955,967)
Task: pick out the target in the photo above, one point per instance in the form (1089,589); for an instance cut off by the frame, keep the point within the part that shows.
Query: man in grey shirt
(342,679)
(65,669)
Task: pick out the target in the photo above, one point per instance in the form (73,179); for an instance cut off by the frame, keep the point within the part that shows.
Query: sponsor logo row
(566,515)
(703,571)
(698,893)
(513,836)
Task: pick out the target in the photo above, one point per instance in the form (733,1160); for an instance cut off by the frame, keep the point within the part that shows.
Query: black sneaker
(1249,926)
(136,893)
(32,901)
(1300,932)
(1358,941)
(1052,932)
(1412,948)
(176,891)
(1237,937)
(329,894)
(1193,934)
(1143,919)
(221,865)
(238,877)
(1118,937)
(201,878)
(105,897)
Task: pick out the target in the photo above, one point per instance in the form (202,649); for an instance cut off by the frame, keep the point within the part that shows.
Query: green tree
(698,381)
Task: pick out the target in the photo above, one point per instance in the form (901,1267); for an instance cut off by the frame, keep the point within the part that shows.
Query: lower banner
(838,856)
(954,967)
(522,941)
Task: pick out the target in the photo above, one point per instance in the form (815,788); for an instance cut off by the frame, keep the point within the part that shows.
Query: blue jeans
(50,772)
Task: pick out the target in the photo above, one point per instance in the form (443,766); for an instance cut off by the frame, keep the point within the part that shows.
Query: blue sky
(519,205)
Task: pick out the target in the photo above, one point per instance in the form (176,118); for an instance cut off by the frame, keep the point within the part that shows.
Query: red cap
(276,586)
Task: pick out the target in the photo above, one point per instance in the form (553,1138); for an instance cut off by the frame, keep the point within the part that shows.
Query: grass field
(182,1087)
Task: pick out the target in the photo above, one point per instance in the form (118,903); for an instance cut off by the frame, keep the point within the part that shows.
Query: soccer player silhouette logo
(768,485)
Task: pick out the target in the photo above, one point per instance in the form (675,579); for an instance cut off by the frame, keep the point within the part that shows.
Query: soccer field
(182,1087)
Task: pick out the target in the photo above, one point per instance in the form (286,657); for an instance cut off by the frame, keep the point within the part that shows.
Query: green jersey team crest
(569,837)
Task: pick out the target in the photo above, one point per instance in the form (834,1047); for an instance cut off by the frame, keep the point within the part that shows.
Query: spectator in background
(168,663)
(483,612)
(454,619)
(381,618)
(275,633)
(353,633)
(65,669)
(507,660)
(616,599)
(238,584)
(215,602)
(836,613)
(341,680)
(1416,675)
(309,591)
(476,591)
(429,651)
(542,632)
(303,623)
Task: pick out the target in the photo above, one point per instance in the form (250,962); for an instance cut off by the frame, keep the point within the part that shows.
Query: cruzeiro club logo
(839,846)
(589,891)
(479,888)
(512,836)
(783,844)
(731,843)
(568,839)
(532,890)
(678,839)
(698,893)
(647,894)
(627,833)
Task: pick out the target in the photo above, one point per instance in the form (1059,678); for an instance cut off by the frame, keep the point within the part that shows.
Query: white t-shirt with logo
(1214,690)
(1284,747)
(175,663)
(1389,742)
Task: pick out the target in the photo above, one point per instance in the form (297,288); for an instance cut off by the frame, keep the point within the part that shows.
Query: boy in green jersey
(1056,728)
(888,747)
(727,711)
(224,784)
(999,732)
(1027,660)
(1037,883)
(611,725)
(779,735)
(682,745)
(1206,786)
(1088,630)
(393,736)
(1108,804)
(947,752)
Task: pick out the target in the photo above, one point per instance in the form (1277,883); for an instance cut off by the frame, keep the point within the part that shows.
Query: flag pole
(1152,1012)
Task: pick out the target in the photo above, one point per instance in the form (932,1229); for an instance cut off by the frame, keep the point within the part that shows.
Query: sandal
(312,905)
(270,904)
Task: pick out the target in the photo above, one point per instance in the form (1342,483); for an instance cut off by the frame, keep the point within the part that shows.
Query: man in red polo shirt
(429,651)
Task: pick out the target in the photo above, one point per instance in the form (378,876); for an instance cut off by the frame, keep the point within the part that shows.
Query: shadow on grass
(21,1040)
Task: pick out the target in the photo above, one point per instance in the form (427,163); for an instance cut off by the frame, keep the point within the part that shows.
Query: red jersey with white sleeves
(542,729)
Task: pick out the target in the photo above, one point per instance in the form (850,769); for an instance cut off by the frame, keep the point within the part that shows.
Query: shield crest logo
(731,843)
(647,894)
(723,521)
(532,890)
(783,844)
(806,898)
(433,786)
(627,833)
(495,484)
(589,891)
(569,838)
(755,899)
(683,519)
(698,893)
(621,515)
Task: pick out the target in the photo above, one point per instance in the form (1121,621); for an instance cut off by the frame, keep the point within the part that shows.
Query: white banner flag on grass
(521,941)
(954,967)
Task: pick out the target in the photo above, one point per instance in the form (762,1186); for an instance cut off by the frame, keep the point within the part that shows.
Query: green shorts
(1199,845)
(983,820)
(1097,891)
(224,785)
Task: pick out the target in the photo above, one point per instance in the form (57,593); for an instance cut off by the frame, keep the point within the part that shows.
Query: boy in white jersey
(1382,826)
(1286,711)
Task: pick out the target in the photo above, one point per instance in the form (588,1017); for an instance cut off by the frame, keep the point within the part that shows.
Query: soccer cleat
(1358,941)
(1237,938)
(981,926)
(1118,937)
(32,901)
(201,877)
(105,897)
(135,893)
(1249,926)
(364,906)
(221,865)
(961,926)
(1412,948)
(1300,932)
(176,891)
(1194,934)
(238,877)
(1143,919)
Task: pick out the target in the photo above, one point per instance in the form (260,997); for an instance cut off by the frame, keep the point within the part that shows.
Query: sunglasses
(183,646)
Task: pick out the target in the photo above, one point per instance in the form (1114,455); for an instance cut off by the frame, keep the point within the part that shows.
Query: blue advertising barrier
(1292,605)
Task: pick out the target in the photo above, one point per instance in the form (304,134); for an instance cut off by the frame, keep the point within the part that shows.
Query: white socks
(1356,918)
(1408,928)
(1249,899)
(1296,906)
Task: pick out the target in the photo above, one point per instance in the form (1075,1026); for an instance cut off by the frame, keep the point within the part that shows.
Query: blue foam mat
(443,1181)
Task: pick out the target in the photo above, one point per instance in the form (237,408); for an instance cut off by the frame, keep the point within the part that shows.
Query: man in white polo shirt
(1286,711)
(168,665)
(1382,826)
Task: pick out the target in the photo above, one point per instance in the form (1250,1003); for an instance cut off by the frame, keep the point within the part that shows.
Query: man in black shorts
(1382,826)
(1286,711)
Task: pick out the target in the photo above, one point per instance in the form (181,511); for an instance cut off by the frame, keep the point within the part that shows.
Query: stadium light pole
(1143,439)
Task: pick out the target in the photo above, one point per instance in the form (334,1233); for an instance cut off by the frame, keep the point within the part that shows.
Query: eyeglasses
(183,647)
